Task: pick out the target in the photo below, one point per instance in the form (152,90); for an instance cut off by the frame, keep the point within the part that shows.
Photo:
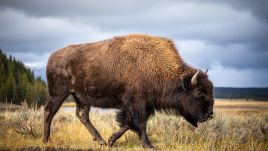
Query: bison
(136,74)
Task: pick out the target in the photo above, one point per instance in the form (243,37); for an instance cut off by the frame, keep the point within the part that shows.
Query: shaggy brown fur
(136,74)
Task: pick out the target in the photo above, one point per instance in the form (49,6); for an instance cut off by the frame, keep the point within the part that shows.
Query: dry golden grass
(239,102)
(229,130)
(241,105)
(69,104)
(5,106)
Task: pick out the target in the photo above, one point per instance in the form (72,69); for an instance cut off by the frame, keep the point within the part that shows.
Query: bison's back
(135,55)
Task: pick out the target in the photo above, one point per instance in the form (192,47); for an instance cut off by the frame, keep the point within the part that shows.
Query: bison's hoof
(102,142)
(110,142)
(45,140)
(149,146)
(94,138)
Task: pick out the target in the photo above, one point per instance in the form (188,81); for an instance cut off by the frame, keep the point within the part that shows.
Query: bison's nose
(210,115)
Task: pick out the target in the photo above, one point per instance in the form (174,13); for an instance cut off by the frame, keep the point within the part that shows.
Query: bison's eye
(196,93)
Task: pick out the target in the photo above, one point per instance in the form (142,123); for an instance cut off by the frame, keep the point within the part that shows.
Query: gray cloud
(238,77)
(222,36)
(237,56)
(119,7)
(257,7)
(67,8)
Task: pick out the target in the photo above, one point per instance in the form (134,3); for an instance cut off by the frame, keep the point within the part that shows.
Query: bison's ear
(183,85)
(186,83)
(189,81)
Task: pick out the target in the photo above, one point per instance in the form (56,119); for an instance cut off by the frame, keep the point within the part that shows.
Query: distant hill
(18,83)
(244,93)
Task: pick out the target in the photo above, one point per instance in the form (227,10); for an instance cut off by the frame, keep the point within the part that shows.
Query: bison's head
(196,101)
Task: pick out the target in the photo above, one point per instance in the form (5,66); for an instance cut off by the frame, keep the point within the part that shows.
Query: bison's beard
(191,120)
(186,116)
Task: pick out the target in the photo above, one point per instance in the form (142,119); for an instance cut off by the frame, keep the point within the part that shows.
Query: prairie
(238,125)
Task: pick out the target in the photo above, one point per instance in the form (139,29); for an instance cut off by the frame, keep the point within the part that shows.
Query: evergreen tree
(18,83)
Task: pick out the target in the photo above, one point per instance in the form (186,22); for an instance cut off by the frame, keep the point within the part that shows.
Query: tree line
(260,94)
(18,83)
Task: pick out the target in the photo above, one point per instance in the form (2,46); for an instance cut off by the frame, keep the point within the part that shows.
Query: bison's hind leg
(82,112)
(50,110)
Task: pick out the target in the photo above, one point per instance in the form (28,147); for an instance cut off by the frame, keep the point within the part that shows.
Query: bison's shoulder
(148,54)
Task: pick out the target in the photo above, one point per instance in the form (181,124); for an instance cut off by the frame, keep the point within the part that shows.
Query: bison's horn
(194,78)
(206,72)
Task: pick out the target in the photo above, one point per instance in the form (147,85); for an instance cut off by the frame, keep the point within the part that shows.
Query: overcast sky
(227,37)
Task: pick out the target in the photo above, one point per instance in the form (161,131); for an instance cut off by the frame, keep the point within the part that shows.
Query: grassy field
(238,125)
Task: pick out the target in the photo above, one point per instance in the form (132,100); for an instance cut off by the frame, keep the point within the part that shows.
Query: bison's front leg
(139,116)
(133,117)
(82,112)
(143,136)
(117,135)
